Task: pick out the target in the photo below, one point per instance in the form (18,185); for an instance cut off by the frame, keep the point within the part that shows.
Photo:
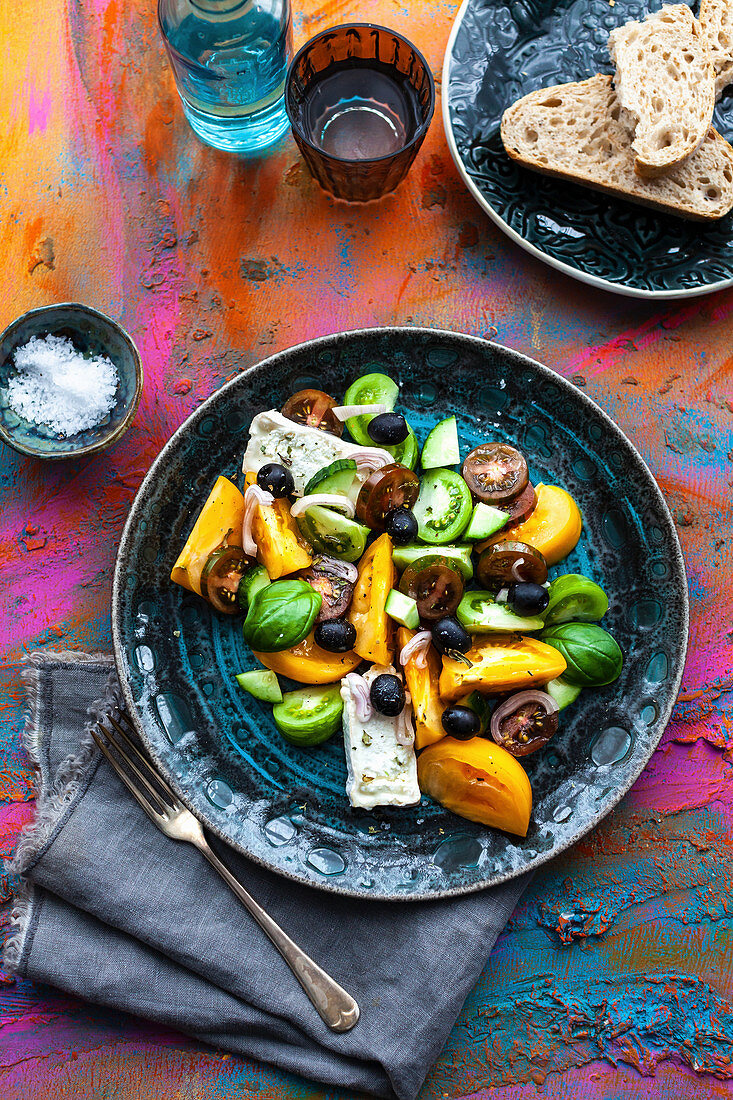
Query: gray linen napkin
(115,912)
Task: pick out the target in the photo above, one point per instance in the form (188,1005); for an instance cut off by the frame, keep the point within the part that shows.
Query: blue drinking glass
(230,59)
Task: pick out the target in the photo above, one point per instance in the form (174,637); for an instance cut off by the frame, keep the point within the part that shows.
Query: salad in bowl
(402,595)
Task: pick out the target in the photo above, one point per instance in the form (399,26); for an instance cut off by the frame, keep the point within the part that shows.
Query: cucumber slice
(332,534)
(443,508)
(441,447)
(405,452)
(370,389)
(485,521)
(253,581)
(562,692)
(339,477)
(480,614)
(575,599)
(458,556)
(261,683)
(309,716)
(403,609)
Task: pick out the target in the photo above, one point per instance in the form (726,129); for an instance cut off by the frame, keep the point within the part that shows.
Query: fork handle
(334,1005)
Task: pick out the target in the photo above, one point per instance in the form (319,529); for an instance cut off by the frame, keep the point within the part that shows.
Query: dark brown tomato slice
(314,408)
(495,473)
(521,507)
(336,592)
(392,486)
(435,585)
(507,563)
(221,575)
(525,722)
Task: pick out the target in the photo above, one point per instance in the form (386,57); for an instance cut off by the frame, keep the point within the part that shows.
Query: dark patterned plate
(285,807)
(498,52)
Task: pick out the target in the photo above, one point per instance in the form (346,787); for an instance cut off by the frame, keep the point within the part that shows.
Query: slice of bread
(716,20)
(666,81)
(580,132)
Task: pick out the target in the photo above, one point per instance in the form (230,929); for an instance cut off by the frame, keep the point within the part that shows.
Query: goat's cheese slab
(304,450)
(381,770)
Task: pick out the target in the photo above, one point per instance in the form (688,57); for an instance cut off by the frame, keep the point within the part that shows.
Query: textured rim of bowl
(159,466)
(422,129)
(114,435)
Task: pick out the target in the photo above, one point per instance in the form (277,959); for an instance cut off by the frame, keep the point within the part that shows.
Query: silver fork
(334,1005)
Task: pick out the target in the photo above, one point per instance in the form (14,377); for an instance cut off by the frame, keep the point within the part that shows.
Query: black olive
(401,526)
(335,635)
(461,722)
(448,634)
(528,599)
(275,479)
(388,428)
(387,694)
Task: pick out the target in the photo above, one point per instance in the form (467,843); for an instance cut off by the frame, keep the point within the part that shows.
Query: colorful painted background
(615,976)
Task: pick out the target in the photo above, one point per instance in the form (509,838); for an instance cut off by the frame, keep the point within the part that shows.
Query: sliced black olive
(388,428)
(387,695)
(276,479)
(449,635)
(401,526)
(335,635)
(461,722)
(528,598)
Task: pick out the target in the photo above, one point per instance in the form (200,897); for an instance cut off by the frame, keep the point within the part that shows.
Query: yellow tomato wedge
(553,528)
(310,664)
(478,780)
(373,627)
(501,662)
(219,523)
(422,683)
(279,545)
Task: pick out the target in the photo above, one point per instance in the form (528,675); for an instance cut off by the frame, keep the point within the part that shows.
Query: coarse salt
(57,387)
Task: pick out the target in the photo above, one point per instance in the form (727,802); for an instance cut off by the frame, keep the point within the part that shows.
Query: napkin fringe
(20,922)
(55,794)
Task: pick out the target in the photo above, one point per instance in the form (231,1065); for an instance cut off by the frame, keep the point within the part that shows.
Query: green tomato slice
(574,598)
(309,716)
(405,452)
(370,389)
(443,508)
(330,533)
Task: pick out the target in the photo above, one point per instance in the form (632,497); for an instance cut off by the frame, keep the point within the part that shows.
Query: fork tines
(133,768)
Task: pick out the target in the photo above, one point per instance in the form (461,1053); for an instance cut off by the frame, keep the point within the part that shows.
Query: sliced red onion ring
(359,689)
(532,695)
(417,647)
(370,459)
(516,571)
(252,498)
(345,570)
(502,596)
(344,412)
(404,733)
(326,500)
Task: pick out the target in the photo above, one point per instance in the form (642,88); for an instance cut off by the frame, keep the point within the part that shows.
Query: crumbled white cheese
(304,450)
(381,771)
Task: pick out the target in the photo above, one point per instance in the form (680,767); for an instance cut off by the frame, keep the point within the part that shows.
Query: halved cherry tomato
(435,585)
(221,576)
(313,407)
(392,486)
(335,591)
(495,472)
(522,507)
(525,722)
(508,563)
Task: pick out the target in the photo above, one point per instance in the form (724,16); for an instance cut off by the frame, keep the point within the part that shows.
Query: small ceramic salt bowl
(93,335)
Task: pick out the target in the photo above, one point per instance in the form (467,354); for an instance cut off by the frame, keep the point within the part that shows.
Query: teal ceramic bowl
(285,807)
(93,334)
